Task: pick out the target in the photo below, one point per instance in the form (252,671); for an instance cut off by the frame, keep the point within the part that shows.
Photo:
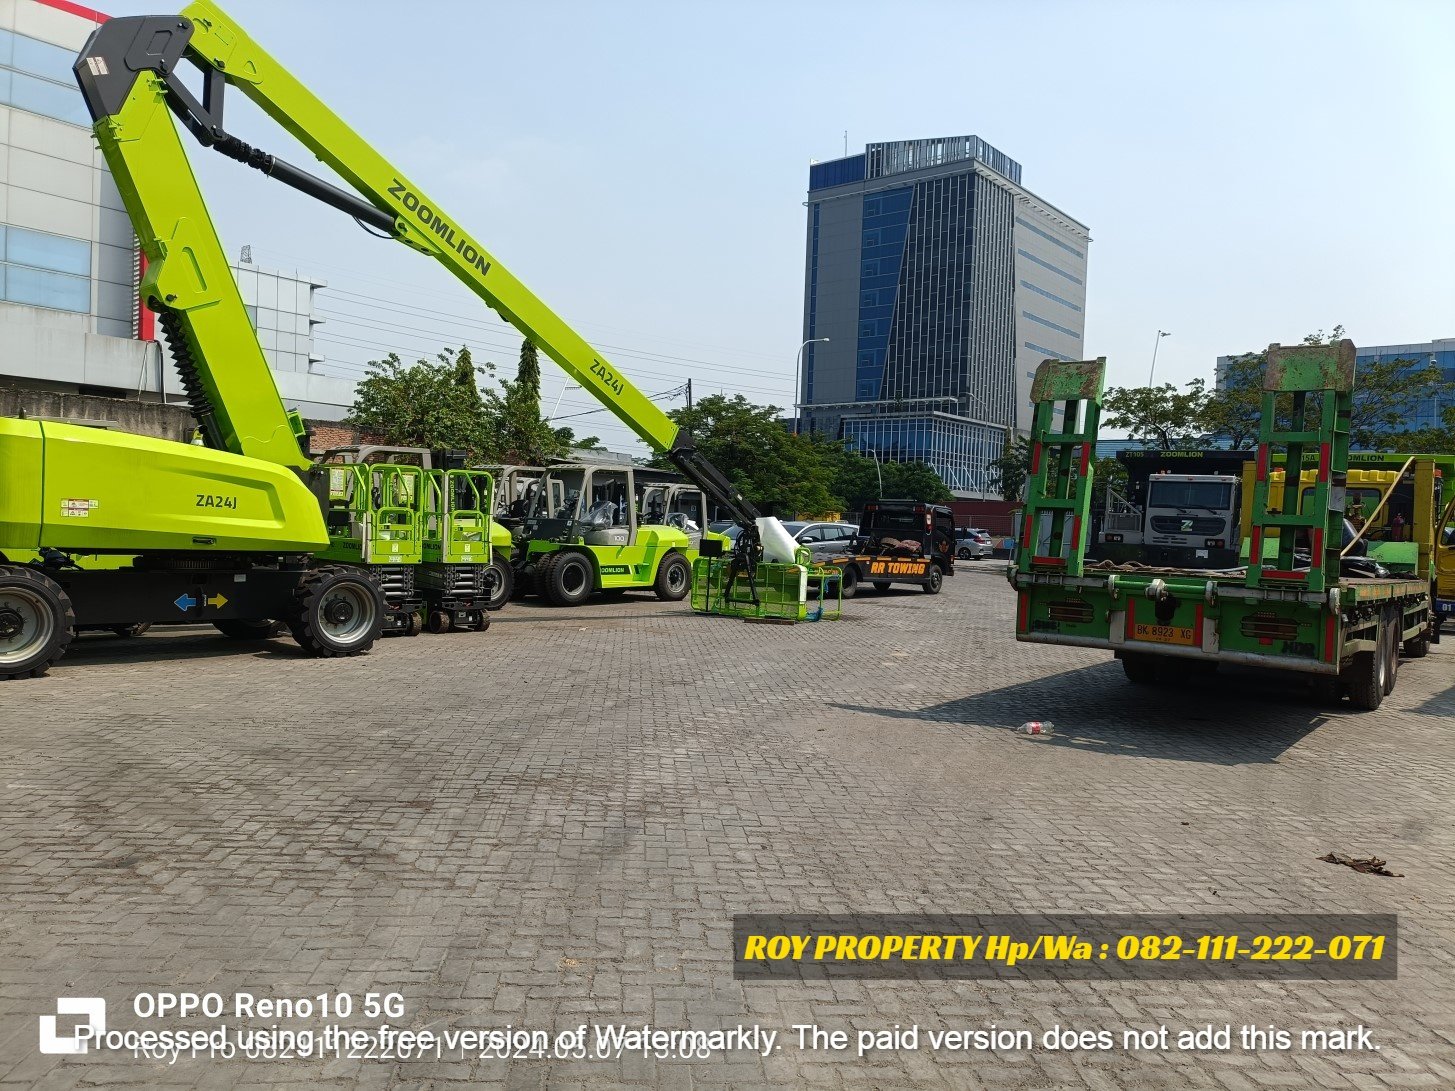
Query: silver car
(974,544)
(822,540)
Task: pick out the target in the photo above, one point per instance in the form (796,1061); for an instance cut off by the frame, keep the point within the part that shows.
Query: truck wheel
(336,612)
(568,580)
(674,578)
(935,581)
(504,585)
(849,581)
(37,622)
(246,628)
(1140,669)
(1391,674)
(1419,647)
(1368,674)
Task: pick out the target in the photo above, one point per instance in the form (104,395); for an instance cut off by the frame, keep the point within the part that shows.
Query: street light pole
(797,383)
(877,471)
(1155,346)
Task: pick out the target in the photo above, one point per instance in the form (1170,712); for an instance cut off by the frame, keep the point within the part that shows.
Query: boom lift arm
(130,66)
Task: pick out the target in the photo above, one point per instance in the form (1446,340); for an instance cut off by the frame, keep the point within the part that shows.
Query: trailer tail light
(1078,611)
(1112,537)
(1269,627)
(1214,543)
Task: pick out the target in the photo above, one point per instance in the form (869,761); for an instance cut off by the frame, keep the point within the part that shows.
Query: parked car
(721,526)
(823,540)
(973,544)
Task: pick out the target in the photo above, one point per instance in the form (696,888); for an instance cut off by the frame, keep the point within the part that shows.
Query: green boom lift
(130,73)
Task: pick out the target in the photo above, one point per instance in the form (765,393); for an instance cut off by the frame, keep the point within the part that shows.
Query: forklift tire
(129,631)
(504,585)
(336,612)
(1140,669)
(438,622)
(1368,674)
(848,581)
(935,581)
(568,579)
(674,578)
(247,628)
(37,622)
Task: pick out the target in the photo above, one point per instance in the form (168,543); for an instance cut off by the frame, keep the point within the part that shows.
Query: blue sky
(1250,171)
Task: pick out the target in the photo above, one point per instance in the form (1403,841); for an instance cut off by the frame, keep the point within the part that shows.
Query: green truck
(1306,601)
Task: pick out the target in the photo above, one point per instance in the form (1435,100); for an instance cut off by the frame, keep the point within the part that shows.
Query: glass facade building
(940,283)
(1439,354)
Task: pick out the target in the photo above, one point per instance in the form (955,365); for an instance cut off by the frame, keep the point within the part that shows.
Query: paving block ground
(552,823)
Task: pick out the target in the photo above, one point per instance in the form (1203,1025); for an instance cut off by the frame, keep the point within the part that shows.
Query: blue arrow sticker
(185,602)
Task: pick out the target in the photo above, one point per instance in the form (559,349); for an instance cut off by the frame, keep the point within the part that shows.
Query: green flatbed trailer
(1288,610)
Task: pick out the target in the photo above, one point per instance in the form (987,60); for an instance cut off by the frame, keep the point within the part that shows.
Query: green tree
(1008,473)
(1383,393)
(522,436)
(779,472)
(1162,417)
(424,404)
(915,481)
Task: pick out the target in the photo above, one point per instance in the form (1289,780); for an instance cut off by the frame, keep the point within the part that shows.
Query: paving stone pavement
(553,822)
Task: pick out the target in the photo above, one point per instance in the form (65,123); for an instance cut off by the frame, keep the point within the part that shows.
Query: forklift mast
(130,72)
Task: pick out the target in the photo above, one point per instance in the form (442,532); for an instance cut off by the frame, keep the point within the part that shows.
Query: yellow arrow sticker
(217,600)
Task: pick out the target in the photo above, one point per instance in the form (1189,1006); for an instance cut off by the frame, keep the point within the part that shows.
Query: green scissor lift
(455,576)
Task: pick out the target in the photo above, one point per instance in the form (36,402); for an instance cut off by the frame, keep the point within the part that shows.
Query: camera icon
(92,1007)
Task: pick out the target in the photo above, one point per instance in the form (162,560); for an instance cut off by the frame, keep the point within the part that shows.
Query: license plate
(1165,634)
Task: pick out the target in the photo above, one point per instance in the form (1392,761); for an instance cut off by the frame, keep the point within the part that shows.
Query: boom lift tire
(37,622)
(1140,669)
(503,586)
(1368,674)
(674,578)
(247,628)
(568,579)
(935,579)
(336,612)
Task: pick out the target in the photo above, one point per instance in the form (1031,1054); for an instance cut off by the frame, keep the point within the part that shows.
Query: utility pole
(689,393)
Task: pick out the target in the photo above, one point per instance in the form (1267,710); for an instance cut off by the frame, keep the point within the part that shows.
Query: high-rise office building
(940,283)
(70,319)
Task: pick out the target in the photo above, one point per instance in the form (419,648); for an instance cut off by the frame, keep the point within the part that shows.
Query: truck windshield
(894,520)
(1215,495)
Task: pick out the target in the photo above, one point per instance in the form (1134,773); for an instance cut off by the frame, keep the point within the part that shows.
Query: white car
(974,544)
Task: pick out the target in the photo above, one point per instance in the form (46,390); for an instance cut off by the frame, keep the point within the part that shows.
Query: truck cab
(1191,520)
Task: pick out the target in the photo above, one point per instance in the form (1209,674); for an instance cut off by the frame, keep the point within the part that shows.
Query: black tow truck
(900,541)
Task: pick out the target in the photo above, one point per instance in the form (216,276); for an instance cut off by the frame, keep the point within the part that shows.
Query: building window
(1047,265)
(36,76)
(1049,325)
(41,270)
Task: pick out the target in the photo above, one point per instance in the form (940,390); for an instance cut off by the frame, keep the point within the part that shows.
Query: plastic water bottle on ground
(1037,727)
